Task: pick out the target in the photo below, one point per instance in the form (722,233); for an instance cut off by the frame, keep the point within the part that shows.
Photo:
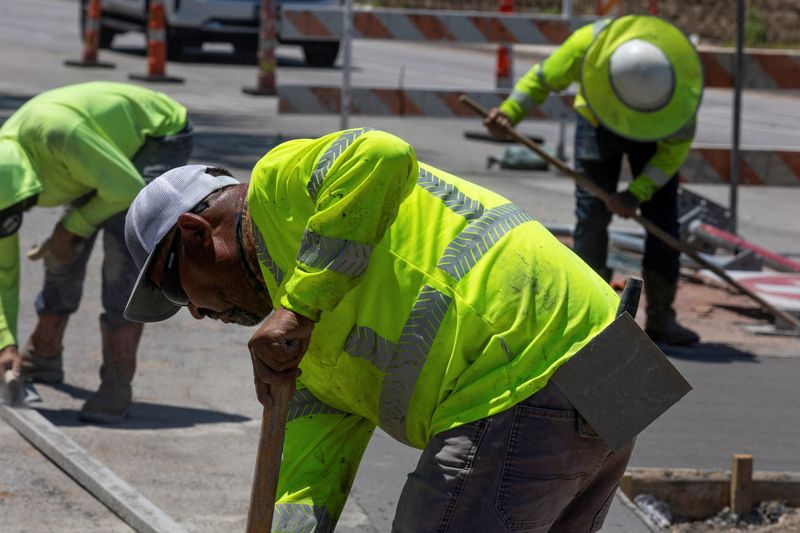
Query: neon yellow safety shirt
(563,68)
(67,143)
(438,303)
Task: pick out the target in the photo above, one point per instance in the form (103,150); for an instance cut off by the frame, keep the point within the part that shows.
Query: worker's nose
(195,311)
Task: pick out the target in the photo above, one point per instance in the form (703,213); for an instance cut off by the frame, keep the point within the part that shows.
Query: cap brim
(147,303)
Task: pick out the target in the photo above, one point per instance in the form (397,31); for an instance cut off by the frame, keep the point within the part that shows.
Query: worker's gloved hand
(64,246)
(10,360)
(623,204)
(497,123)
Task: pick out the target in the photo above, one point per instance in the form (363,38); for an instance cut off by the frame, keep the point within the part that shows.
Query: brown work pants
(536,467)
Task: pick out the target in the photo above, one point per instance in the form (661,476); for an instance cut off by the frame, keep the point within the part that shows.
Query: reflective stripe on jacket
(439,303)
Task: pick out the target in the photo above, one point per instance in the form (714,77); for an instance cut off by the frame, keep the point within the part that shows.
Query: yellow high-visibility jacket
(563,68)
(66,143)
(438,303)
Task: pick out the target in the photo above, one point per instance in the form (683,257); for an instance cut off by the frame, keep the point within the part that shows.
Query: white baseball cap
(153,213)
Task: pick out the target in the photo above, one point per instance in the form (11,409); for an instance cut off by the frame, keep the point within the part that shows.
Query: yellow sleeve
(321,453)
(356,199)
(9,289)
(94,162)
(670,154)
(554,74)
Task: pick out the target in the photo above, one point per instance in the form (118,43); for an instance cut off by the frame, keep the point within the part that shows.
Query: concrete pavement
(190,444)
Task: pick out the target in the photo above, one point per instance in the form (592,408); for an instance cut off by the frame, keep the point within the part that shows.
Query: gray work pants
(536,467)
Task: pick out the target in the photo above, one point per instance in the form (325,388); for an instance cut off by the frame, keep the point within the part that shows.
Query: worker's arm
(101,166)
(554,74)
(356,197)
(671,152)
(321,453)
(9,296)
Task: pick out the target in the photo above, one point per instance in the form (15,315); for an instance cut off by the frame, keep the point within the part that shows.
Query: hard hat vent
(641,75)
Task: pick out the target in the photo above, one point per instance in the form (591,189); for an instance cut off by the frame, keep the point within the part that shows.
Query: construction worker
(412,300)
(89,147)
(640,84)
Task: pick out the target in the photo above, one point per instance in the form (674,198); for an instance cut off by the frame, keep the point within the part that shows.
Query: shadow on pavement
(144,415)
(755,313)
(230,149)
(709,352)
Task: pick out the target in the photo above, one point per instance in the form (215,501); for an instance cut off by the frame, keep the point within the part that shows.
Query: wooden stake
(742,484)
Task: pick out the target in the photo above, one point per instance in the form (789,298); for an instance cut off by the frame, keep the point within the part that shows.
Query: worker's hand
(281,340)
(276,349)
(10,360)
(623,204)
(12,392)
(497,123)
(266,378)
(64,245)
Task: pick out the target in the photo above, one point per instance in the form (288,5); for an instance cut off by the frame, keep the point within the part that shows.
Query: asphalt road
(190,443)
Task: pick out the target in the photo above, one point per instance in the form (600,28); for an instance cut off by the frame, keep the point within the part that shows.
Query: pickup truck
(190,23)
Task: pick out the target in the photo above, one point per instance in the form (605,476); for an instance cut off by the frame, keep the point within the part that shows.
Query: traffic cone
(156,47)
(503,73)
(91,38)
(267,40)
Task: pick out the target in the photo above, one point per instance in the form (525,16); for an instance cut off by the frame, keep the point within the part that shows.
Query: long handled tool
(268,461)
(651,228)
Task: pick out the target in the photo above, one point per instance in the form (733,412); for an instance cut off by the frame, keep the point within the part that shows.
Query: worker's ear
(195,230)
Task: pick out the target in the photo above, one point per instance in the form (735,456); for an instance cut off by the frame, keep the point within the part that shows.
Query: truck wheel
(176,45)
(321,54)
(246,50)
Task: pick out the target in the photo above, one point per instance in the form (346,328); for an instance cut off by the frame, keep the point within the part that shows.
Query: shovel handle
(651,228)
(268,460)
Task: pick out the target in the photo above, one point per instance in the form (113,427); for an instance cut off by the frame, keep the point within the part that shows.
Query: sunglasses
(171,280)
(171,286)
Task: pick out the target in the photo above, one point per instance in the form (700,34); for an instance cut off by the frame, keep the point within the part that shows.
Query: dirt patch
(768,517)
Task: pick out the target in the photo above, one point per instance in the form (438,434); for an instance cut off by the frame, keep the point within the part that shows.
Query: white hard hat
(641,75)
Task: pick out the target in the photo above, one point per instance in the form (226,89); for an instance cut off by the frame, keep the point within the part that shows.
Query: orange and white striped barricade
(303,23)
(156,47)
(92,22)
(707,164)
(609,8)
(267,41)
(762,69)
(300,99)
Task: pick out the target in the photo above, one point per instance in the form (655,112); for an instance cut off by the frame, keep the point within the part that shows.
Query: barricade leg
(504,70)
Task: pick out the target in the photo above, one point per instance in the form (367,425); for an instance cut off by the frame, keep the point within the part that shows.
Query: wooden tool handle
(268,460)
(651,228)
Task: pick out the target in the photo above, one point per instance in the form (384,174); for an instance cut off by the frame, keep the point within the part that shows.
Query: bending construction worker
(90,147)
(640,86)
(412,300)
